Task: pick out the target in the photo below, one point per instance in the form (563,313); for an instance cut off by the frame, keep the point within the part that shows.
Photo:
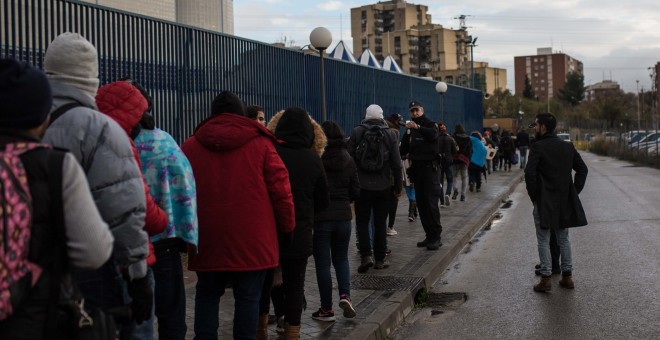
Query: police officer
(420,145)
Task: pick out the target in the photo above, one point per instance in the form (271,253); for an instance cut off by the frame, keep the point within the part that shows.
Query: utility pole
(639,125)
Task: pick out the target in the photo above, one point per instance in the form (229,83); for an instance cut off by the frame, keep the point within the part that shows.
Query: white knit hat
(73,60)
(374,112)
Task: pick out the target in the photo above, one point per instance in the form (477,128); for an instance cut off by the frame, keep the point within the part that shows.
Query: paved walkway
(382,298)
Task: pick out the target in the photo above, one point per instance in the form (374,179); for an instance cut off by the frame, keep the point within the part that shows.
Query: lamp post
(441,87)
(321,38)
(471,42)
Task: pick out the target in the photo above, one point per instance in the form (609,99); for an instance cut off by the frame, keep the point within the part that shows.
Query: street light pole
(639,125)
(441,88)
(471,42)
(321,38)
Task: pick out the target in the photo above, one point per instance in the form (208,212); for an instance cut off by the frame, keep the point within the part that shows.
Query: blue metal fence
(184,68)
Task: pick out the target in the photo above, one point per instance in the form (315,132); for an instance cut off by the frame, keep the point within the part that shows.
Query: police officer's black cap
(414,103)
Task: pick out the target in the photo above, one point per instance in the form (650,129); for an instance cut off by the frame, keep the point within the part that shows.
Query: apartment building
(214,15)
(406,32)
(547,71)
(601,90)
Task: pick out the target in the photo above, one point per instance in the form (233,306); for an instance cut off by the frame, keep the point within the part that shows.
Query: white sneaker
(391,232)
(447,201)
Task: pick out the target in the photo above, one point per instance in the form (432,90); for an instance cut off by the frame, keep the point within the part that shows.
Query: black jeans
(427,190)
(378,202)
(170,292)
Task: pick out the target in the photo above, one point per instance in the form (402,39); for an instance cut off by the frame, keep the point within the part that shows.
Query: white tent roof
(390,64)
(342,52)
(368,58)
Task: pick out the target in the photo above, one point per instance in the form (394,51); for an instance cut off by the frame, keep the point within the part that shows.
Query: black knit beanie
(25,96)
(227,102)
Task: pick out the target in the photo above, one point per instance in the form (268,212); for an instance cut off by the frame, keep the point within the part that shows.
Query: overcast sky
(616,40)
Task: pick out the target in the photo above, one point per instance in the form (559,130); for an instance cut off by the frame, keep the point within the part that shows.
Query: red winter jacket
(125,104)
(243,195)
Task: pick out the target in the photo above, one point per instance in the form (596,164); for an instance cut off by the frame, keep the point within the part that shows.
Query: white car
(564,136)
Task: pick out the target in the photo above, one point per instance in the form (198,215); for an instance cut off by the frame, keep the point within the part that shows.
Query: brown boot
(567,281)
(291,332)
(544,285)
(262,327)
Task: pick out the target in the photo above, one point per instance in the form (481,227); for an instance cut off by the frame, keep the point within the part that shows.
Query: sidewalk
(382,298)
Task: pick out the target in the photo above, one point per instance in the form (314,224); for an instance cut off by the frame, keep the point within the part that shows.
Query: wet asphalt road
(616,260)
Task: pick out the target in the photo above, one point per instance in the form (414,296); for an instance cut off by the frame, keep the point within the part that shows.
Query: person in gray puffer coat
(100,146)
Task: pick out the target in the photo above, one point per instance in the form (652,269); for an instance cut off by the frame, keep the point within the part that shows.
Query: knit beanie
(73,60)
(227,102)
(25,97)
(374,112)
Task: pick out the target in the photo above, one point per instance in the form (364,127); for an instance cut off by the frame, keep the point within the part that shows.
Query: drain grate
(389,283)
(445,299)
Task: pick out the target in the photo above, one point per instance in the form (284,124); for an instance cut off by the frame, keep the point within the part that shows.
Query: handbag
(84,323)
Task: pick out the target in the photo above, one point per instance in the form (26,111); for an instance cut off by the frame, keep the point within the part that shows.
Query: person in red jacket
(243,199)
(124,103)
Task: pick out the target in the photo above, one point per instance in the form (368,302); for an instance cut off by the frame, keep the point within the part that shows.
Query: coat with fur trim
(303,144)
(243,195)
(124,103)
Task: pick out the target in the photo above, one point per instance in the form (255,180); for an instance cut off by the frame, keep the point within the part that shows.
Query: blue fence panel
(185,68)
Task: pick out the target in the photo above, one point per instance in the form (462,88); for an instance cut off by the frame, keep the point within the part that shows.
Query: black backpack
(371,154)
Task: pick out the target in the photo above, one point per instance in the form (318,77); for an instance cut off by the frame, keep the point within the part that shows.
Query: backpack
(371,153)
(19,274)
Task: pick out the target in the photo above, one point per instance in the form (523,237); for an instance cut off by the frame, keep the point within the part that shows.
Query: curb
(385,321)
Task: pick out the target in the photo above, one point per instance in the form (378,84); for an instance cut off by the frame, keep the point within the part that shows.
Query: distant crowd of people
(99,203)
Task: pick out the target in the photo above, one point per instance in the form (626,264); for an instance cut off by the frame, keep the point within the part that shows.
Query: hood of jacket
(227,131)
(336,157)
(64,93)
(123,102)
(297,129)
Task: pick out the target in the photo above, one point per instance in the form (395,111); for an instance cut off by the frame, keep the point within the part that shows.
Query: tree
(528,92)
(573,90)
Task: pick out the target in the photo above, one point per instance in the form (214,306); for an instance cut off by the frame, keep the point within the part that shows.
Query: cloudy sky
(616,40)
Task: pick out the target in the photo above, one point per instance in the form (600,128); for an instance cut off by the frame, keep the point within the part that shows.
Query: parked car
(564,136)
(651,139)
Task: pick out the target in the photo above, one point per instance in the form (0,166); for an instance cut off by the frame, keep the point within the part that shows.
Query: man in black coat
(420,144)
(554,192)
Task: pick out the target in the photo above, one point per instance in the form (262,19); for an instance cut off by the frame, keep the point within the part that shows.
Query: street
(615,260)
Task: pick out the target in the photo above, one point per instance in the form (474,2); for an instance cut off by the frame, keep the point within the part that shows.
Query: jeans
(331,239)
(410,193)
(543,240)
(428,189)
(145,330)
(247,291)
(523,156)
(460,169)
(378,202)
(170,293)
(447,172)
(391,212)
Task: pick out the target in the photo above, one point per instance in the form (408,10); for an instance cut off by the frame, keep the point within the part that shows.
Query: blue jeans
(170,293)
(247,291)
(523,156)
(410,192)
(145,330)
(543,241)
(331,239)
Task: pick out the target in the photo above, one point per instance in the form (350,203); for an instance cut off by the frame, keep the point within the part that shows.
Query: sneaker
(411,218)
(324,315)
(391,231)
(382,264)
(454,195)
(388,252)
(462,198)
(447,202)
(346,305)
(280,325)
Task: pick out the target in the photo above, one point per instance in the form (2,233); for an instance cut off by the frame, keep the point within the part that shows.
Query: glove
(143,299)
